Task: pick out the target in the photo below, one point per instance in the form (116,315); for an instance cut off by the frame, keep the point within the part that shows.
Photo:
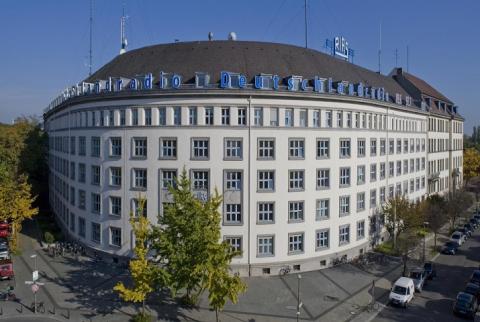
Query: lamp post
(34,283)
(425,224)
(299,304)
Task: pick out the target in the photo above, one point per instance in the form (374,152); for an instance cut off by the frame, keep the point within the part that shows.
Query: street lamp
(34,256)
(425,224)
(299,304)
(34,276)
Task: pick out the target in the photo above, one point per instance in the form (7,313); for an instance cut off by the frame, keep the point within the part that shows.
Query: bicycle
(40,307)
(285,270)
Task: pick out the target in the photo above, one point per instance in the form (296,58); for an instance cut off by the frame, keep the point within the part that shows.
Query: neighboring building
(303,162)
(445,133)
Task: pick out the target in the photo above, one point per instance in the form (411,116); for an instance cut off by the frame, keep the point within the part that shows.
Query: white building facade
(303,174)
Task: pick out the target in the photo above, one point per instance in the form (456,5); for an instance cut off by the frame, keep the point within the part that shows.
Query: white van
(402,292)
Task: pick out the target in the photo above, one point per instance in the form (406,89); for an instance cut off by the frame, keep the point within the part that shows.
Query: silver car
(418,276)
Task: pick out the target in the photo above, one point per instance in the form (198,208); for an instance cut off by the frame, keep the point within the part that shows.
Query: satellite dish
(232,36)
(210,36)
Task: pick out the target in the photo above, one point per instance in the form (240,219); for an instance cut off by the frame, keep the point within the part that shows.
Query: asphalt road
(435,302)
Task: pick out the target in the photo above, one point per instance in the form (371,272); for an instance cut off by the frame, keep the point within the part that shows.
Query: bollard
(68,314)
(53,310)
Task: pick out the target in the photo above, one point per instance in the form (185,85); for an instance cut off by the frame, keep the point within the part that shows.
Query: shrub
(49,238)
(142,317)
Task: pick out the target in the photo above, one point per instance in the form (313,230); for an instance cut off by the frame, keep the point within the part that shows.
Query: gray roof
(246,57)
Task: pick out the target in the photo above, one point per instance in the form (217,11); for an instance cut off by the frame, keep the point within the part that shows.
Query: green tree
(435,215)
(145,275)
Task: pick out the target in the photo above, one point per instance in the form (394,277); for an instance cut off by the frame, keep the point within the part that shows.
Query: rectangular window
(412,145)
(382,195)
(382,146)
(323,178)
(95,236)
(322,210)
(349,119)
(391,169)
(72,145)
(242,116)
(95,146)
(344,234)
(295,243)
(139,147)
(200,180)
(344,148)
(360,229)
(233,213)
(122,117)
(72,222)
(177,115)
(111,118)
(233,180)
(96,203)
(168,178)
(295,211)
(265,245)
(266,149)
(316,118)
(140,178)
(139,207)
(168,148)
(373,147)
(200,149)
(235,243)
(274,116)
(148,116)
(225,115)
(323,148)
(192,115)
(339,119)
(266,180)
(82,145)
(391,146)
(162,116)
(81,227)
(296,180)
(115,206)
(296,148)
(399,168)
(373,172)
(328,118)
(344,205)
(405,166)
(265,212)
(360,174)
(81,199)
(258,116)
(233,149)
(344,177)
(115,176)
(399,146)
(115,236)
(412,165)
(288,117)
(208,115)
(360,201)
(95,175)
(382,170)
(361,148)
(135,116)
(303,118)
(115,146)
(322,239)
(373,198)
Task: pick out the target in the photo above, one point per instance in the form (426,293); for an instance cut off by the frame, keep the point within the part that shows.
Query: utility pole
(380,52)
(299,304)
(396,57)
(91,37)
(306,26)
(394,225)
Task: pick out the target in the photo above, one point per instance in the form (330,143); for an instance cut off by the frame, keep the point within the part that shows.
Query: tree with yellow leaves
(145,275)
(471,164)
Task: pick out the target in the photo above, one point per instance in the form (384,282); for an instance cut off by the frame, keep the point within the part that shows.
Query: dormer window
(202,80)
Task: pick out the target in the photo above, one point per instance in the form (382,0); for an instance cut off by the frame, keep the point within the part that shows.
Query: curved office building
(304,147)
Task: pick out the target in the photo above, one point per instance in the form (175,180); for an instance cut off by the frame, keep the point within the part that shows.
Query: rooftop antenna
(210,36)
(396,57)
(123,36)
(407,59)
(380,51)
(306,28)
(232,36)
(91,37)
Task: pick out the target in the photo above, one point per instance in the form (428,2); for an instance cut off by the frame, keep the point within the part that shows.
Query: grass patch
(386,248)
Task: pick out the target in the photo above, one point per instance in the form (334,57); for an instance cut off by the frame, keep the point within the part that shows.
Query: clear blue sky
(44,44)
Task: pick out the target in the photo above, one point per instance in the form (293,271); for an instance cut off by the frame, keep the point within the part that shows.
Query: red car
(6,269)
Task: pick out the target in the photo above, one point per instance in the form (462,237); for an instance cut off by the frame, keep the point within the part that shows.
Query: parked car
(473,222)
(457,237)
(4,253)
(430,270)
(6,269)
(475,277)
(473,289)
(467,233)
(477,217)
(465,305)
(450,248)
(3,241)
(418,277)
(402,292)
(469,228)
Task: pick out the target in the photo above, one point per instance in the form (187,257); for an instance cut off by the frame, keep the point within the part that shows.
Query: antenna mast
(407,59)
(123,37)
(306,28)
(396,57)
(380,52)
(91,37)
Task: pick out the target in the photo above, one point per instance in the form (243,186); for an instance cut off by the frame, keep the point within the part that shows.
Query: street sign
(34,276)
(35,288)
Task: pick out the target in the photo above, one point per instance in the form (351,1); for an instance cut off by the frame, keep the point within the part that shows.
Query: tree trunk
(435,240)
(143,307)
(216,315)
